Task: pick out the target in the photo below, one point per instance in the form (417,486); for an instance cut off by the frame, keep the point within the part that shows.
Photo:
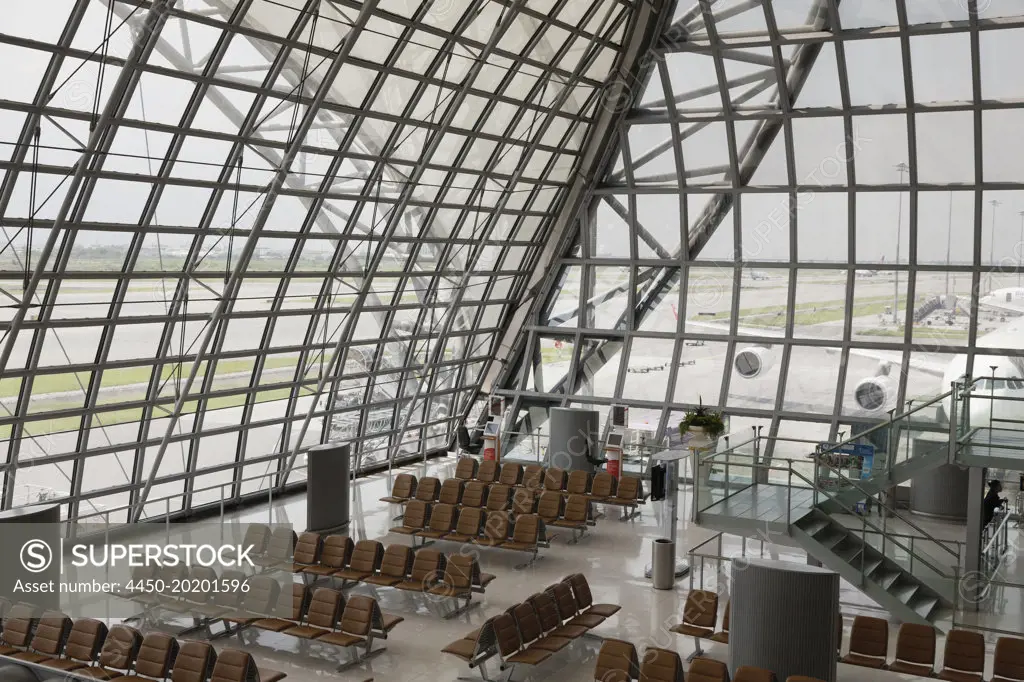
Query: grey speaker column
(573,438)
(328,488)
(785,618)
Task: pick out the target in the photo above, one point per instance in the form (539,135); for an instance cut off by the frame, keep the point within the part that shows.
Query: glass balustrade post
(789,493)
(863,547)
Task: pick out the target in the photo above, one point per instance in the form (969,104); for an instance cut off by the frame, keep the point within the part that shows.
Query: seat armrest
(390,621)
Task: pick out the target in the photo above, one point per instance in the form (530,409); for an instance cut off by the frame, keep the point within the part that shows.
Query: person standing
(992,500)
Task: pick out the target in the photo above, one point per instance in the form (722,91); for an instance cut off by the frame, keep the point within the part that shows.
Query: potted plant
(702,421)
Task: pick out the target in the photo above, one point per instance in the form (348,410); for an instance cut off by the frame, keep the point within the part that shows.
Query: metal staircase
(896,588)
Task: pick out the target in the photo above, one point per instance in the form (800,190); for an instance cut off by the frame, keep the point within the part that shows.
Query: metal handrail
(866,523)
(220,486)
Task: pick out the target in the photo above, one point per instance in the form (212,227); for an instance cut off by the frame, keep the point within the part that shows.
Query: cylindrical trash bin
(663,564)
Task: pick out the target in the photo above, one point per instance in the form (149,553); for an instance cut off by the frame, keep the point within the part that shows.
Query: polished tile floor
(613,556)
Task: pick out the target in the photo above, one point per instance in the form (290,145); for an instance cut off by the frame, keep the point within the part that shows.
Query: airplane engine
(753,361)
(876,394)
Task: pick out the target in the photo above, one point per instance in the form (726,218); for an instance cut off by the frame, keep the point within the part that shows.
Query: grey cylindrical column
(942,491)
(663,564)
(327,487)
(786,618)
(573,438)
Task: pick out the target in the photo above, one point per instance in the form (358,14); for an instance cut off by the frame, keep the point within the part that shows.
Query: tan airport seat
(461,578)
(523,502)
(554,479)
(187,601)
(1008,664)
(525,537)
(869,642)
(751,673)
(394,567)
(964,657)
(321,615)
(616,662)
(532,633)
(234,665)
(307,551)
(366,558)
(194,663)
(83,645)
(510,644)
(427,490)
(256,536)
(487,471)
(155,659)
(723,635)
(474,494)
(915,650)
(442,522)
(707,670)
(475,649)
(467,528)
(402,490)
(48,641)
(292,603)
(427,569)
(700,615)
(120,649)
(498,497)
(661,665)
(466,468)
(629,495)
(261,600)
(574,517)
(533,478)
(496,527)
(585,598)
(602,487)
(549,506)
(451,491)
(335,554)
(511,474)
(222,603)
(550,618)
(358,626)
(279,550)
(417,515)
(568,610)
(578,482)
(18,627)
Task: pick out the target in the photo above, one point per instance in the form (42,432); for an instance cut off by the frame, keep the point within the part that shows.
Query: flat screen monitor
(491,428)
(619,413)
(615,440)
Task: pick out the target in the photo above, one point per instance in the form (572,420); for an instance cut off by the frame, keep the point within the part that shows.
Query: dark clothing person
(993,501)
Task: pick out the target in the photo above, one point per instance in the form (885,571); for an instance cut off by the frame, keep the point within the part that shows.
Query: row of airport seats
(86,648)
(963,658)
(495,530)
(455,576)
(324,615)
(617,661)
(916,646)
(467,488)
(531,632)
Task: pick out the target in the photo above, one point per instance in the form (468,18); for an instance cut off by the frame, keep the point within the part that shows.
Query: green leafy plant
(705,418)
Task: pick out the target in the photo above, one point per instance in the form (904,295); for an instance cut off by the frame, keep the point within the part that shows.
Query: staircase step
(870,564)
(886,577)
(816,526)
(924,606)
(904,591)
(831,540)
(850,554)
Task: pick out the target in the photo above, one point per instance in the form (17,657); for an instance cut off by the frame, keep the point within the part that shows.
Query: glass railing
(989,417)
(727,487)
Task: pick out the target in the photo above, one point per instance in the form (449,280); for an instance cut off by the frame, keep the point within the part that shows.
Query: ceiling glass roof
(236,228)
(815,215)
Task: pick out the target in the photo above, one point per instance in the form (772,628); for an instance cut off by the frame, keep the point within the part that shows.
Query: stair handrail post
(863,546)
(894,451)
(954,397)
(912,554)
(789,494)
(956,592)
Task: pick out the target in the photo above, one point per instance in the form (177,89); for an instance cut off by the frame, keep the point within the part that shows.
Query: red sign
(490,453)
